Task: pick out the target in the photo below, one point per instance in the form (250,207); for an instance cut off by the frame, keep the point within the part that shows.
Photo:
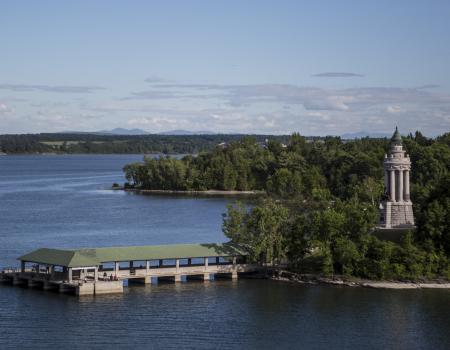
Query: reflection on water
(244,314)
(63,201)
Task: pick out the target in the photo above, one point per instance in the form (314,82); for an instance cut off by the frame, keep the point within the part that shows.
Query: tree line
(322,202)
(80,143)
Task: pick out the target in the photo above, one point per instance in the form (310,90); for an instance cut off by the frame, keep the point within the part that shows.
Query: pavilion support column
(22,266)
(177,264)
(96,274)
(116,268)
(217,260)
(392,185)
(234,274)
(147,267)
(206,264)
(189,261)
(400,186)
(406,181)
(69,274)
(161,262)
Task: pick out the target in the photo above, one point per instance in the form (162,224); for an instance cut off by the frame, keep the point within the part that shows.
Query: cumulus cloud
(289,107)
(50,88)
(250,108)
(337,75)
(336,103)
(239,95)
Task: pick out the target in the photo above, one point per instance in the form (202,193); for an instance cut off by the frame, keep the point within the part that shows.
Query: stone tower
(396,209)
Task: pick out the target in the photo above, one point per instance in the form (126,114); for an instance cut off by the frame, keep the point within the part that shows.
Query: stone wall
(402,214)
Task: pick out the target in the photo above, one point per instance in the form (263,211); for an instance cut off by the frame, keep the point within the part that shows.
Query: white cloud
(154,122)
(330,103)
(4,109)
(393,109)
(257,108)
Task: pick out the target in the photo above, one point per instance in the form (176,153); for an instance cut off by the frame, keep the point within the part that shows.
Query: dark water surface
(63,201)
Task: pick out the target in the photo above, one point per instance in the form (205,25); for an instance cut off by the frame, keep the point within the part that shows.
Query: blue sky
(316,67)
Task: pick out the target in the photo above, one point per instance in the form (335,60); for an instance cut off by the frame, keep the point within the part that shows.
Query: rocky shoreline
(287,276)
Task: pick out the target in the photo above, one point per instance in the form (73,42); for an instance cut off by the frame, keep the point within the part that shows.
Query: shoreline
(206,192)
(287,276)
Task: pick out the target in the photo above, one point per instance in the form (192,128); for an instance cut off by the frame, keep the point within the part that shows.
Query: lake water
(64,201)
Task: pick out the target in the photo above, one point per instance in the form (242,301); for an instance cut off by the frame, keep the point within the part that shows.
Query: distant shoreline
(206,192)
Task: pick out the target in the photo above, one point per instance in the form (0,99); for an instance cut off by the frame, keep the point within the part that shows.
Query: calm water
(63,201)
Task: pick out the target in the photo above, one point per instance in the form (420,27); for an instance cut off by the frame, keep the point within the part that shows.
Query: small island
(323,216)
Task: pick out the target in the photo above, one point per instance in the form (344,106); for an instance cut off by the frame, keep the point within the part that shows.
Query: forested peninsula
(321,203)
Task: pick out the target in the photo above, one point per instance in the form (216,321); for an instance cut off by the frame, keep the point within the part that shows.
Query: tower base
(396,215)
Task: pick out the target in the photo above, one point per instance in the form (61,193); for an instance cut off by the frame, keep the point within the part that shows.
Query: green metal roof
(96,256)
(396,137)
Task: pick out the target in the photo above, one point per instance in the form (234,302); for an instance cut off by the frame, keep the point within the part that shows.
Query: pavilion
(102,270)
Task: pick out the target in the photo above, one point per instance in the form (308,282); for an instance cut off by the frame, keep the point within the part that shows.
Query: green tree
(285,183)
(263,230)
(345,256)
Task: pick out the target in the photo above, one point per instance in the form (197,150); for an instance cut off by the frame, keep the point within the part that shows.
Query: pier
(104,270)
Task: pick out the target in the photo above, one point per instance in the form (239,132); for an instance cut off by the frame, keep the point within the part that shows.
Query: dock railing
(8,270)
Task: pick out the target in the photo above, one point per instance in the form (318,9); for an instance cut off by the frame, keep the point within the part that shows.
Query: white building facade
(396,210)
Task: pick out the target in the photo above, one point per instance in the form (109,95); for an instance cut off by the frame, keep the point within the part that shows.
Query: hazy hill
(186,132)
(122,131)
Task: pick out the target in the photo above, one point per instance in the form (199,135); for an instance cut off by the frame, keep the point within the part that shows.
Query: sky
(272,67)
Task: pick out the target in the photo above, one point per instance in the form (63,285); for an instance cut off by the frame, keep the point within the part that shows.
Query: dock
(97,271)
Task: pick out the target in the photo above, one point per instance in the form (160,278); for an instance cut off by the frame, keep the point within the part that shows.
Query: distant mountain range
(186,132)
(122,131)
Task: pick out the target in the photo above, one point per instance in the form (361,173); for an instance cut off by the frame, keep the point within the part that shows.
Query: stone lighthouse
(396,209)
